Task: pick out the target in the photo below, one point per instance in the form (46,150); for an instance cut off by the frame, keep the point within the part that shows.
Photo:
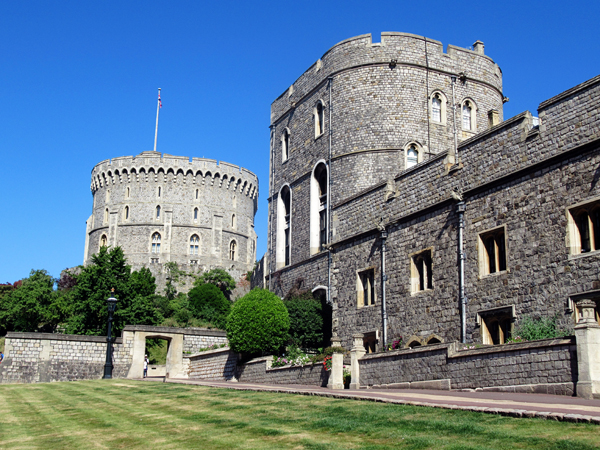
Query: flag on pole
(159,100)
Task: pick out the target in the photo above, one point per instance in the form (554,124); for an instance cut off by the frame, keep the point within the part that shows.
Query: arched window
(468,115)
(584,228)
(159,192)
(127,192)
(285,145)
(233,221)
(103,241)
(156,243)
(195,213)
(196,194)
(126,213)
(319,113)
(194,244)
(318,208)
(107,195)
(158,212)
(412,156)
(106,215)
(232,248)
(437,107)
(284,234)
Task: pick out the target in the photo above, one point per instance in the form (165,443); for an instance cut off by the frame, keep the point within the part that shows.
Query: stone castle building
(163,208)
(400,196)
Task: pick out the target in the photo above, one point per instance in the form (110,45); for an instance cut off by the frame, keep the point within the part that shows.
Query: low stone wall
(545,366)
(212,364)
(259,371)
(45,357)
(196,338)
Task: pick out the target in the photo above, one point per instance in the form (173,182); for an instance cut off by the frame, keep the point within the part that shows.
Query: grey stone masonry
(45,357)
(259,371)
(546,366)
(199,208)
(217,364)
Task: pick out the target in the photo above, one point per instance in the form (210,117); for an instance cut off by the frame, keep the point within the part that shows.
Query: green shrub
(258,323)
(208,303)
(306,322)
(530,329)
(219,278)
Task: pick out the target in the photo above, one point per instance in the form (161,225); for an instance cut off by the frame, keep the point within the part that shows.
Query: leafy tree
(219,278)
(306,322)
(209,303)
(174,276)
(30,307)
(133,291)
(258,322)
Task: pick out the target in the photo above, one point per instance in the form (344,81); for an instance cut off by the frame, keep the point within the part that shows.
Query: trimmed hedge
(258,322)
(209,303)
(306,322)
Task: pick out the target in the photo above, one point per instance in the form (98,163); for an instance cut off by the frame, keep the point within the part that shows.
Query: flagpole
(157,109)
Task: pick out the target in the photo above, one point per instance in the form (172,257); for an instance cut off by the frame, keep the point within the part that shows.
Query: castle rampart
(162,208)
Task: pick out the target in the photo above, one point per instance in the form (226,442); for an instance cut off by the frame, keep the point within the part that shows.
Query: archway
(174,356)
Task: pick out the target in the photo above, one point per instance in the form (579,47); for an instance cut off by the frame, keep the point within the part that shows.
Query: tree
(133,291)
(219,278)
(306,322)
(30,307)
(258,322)
(210,304)
(174,275)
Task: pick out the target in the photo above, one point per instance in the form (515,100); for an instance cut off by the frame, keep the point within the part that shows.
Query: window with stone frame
(126,213)
(437,107)
(365,288)
(319,114)
(371,341)
(106,215)
(285,145)
(232,250)
(421,271)
(584,228)
(103,241)
(496,325)
(127,192)
(492,251)
(158,212)
(283,240)
(156,243)
(413,154)
(194,244)
(468,115)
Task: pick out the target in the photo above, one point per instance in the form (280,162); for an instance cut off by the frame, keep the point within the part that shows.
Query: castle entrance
(170,343)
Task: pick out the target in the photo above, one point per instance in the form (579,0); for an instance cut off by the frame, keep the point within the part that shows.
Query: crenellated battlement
(153,166)
(398,49)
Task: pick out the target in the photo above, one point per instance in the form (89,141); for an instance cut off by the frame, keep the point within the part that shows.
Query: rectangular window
(492,251)
(323,228)
(365,287)
(496,325)
(421,271)
(584,228)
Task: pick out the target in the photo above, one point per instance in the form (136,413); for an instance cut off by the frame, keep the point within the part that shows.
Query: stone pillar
(357,352)
(336,377)
(587,334)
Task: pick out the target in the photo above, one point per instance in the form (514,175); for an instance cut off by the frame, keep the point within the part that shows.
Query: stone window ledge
(584,255)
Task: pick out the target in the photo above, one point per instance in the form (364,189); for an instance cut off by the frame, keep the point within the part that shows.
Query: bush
(219,278)
(306,322)
(530,329)
(209,303)
(258,322)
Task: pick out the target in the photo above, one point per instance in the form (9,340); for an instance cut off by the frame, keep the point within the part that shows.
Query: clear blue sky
(79,82)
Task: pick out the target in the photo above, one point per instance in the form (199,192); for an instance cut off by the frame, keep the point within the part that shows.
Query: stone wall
(546,366)
(197,338)
(212,364)
(127,190)
(45,357)
(259,371)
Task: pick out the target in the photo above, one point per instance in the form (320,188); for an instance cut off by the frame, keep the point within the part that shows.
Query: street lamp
(108,367)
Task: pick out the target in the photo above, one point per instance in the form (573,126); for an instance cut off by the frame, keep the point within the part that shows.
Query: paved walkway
(553,407)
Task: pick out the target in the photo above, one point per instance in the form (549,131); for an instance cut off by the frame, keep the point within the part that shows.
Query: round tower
(161,208)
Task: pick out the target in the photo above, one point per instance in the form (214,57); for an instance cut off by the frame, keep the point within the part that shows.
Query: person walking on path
(146,366)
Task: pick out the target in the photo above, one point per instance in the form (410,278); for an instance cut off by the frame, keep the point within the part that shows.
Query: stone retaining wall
(212,364)
(45,357)
(259,371)
(545,366)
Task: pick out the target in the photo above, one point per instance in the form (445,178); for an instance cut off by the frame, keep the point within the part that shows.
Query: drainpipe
(384,236)
(453,78)
(271,163)
(460,208)
(330,80)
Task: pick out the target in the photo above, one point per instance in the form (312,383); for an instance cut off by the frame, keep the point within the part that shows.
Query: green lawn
(147,415)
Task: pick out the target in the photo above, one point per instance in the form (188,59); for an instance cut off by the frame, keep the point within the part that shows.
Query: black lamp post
(108,367)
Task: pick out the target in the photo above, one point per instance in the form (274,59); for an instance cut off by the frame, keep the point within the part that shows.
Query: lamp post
(108,367)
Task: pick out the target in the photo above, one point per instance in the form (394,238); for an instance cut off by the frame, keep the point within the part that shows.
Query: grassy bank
(132,415)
